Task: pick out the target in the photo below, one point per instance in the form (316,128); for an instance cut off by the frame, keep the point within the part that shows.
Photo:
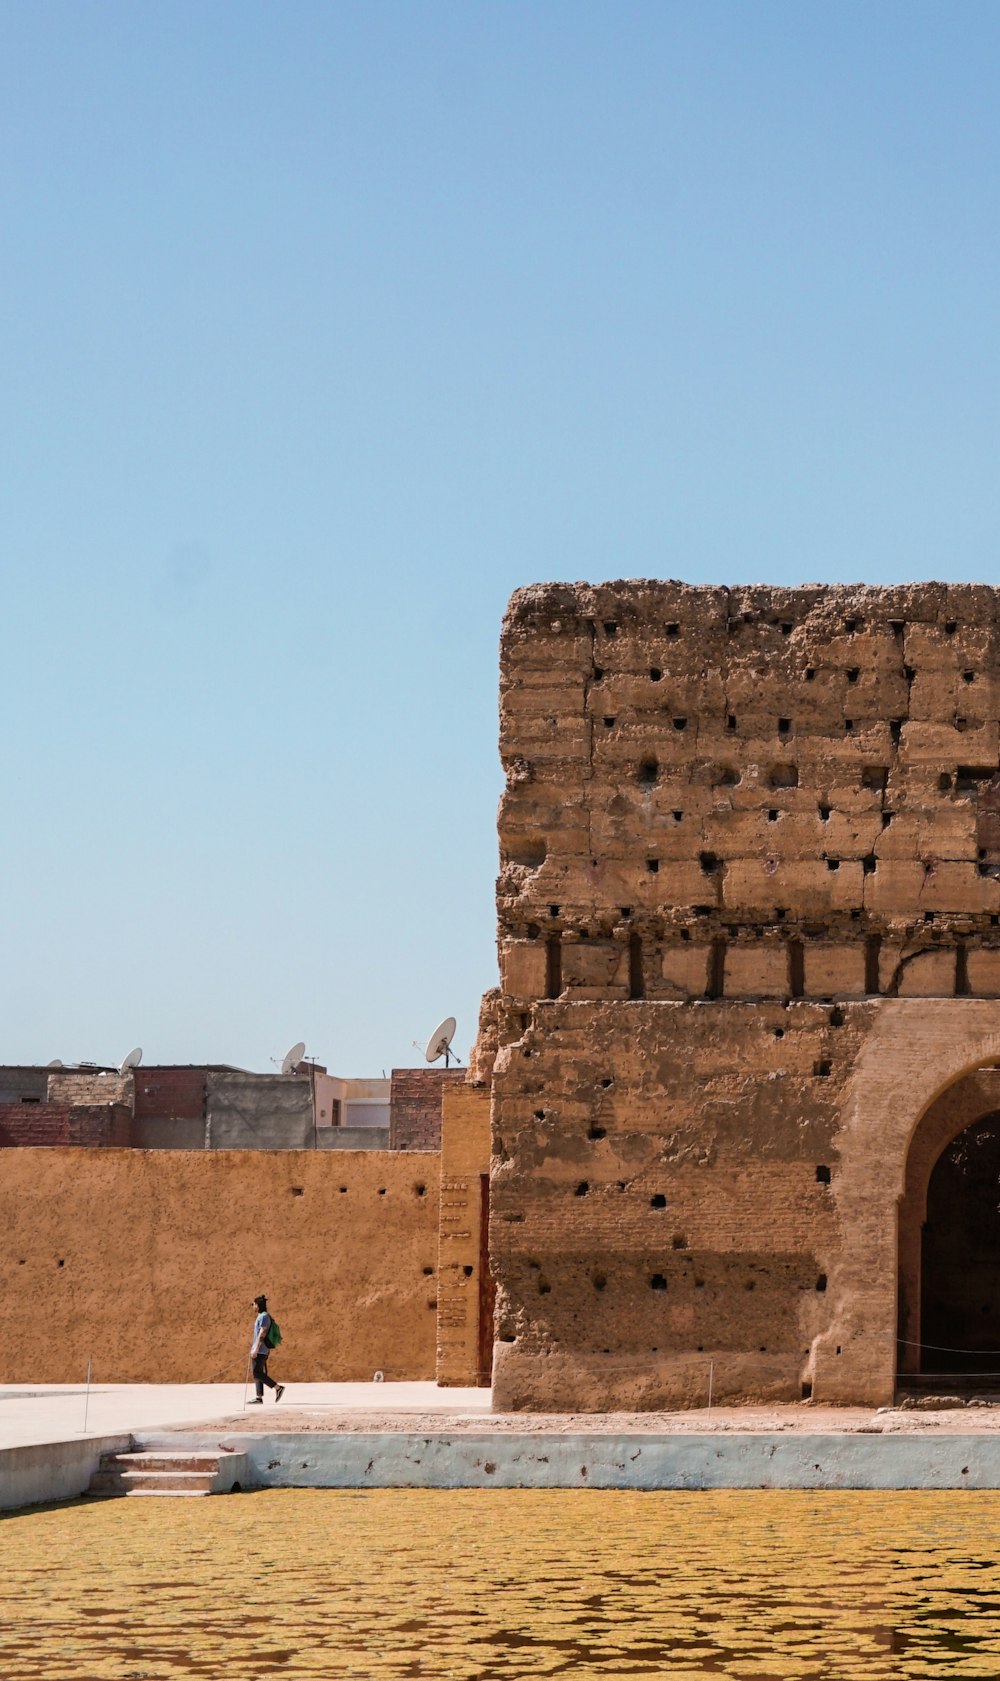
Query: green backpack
(272,1336)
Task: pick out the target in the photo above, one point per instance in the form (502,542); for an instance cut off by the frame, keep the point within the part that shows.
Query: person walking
(260,1348)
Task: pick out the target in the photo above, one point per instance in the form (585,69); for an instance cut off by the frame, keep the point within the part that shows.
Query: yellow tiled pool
(493,1584)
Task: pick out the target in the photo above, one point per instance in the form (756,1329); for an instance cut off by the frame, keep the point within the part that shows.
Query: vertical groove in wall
(553,966)
(873,946)
(796,969)
(716,970)
(636,976)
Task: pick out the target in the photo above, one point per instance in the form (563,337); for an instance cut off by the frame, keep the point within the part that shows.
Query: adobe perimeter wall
(465,1286)
(148,1261)
(749,932)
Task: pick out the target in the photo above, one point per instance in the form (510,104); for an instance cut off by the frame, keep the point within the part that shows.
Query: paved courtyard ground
(40,1413)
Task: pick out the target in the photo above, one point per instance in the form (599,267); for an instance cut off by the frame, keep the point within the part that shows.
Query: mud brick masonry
(749,1012)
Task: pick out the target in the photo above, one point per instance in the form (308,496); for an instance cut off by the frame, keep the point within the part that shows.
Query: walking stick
(86,1404)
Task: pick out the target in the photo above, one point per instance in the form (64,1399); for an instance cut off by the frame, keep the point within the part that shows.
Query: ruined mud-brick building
(746,1093)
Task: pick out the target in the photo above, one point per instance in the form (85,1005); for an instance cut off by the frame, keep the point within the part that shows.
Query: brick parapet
(415,1096)
(24,1125)
(83,1087)
(171,1094)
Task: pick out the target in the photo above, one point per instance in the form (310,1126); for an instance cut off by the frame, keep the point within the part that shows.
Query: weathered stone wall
(148,1262)
(465,1296)
(661,1199)
(739,825)
(803,783)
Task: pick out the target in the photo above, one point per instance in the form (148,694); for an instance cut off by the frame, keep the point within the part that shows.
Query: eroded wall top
(750,792)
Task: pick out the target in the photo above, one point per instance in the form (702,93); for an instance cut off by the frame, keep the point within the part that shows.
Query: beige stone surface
(984,973)
(946,1415)
(927,974)
(834,971)
(757,971)
(684,970)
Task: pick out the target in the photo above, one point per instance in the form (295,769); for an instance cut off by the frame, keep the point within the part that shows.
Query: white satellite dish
(294,1057)
(439,1043)
(131,1061)
(57,1062)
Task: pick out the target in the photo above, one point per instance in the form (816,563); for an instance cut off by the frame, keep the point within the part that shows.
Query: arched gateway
(949,1237)
(928,1075)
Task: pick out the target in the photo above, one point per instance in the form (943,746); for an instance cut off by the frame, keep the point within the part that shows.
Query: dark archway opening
(960,1257)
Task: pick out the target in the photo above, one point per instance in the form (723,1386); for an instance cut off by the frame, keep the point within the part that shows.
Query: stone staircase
(158,1473)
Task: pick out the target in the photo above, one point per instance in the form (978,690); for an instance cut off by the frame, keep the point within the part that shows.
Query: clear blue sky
(324,327)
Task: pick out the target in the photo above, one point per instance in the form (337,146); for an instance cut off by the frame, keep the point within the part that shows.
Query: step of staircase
(168,1473)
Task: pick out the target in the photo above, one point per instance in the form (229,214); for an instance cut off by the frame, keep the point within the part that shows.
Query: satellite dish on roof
(439,1043)
(131,1061)
(294,1057)
(57,1062)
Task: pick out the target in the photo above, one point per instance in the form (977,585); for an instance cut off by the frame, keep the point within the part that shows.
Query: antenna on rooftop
(57,1062)
(293,1057)
(131,1061)
(439,1043)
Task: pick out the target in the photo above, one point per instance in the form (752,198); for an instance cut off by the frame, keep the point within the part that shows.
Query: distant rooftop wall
(415,1106)
(350,1103)
(32,1124)
(24,1085)
(178,1092)
(259,1112)
(352,1138)
(216,1107)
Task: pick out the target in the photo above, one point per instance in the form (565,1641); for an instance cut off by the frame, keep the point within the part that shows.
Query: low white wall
(512,1460)
(50,1471)
(62,1470)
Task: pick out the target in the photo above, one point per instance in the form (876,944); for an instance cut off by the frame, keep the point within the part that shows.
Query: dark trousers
(260,1373)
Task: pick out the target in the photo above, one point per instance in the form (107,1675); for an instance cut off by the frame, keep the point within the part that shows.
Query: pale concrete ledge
(42,1472)
(594,1460)
(396,1459)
